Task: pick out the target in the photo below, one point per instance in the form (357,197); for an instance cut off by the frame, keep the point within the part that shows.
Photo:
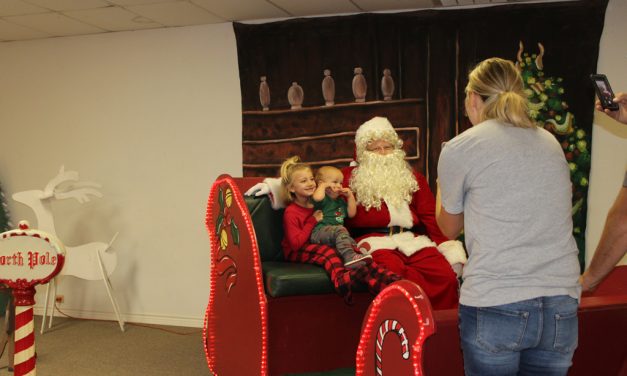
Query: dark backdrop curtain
(299,50)
(430,54)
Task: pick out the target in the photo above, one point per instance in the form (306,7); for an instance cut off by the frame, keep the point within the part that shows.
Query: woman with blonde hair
(506,183)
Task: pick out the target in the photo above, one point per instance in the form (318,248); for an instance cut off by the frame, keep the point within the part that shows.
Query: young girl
(299,219)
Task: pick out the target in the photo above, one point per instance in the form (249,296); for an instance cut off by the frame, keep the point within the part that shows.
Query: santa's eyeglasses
(381,149)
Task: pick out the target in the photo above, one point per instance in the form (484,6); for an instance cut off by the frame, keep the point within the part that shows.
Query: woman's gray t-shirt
(513,187)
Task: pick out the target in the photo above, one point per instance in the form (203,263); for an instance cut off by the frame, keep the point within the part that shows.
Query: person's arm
(320,191)
(270,187)
(619,115)
(450,224)
(298,231)
(452,250)
(351,203)
(424,204)
(612,246)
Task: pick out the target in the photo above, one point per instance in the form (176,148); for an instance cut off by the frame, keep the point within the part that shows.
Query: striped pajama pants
(375,277)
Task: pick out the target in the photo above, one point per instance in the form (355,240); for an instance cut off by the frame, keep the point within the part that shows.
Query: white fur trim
(405,242)
(400,216)
(453,251)
(410,244)
(377,128)
(275,192)
(373,127)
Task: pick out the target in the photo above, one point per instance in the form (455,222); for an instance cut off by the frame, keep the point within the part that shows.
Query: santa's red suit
(420,253)
(404,236)
(408,241)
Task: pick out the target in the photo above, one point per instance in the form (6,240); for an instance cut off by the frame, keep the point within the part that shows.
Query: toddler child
(336,203)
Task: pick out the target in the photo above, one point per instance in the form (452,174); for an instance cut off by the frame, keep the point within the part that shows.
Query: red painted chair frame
(602,331)
(247,332)
(394,331)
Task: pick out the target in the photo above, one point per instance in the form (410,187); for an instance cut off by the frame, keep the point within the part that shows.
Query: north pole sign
(27,258)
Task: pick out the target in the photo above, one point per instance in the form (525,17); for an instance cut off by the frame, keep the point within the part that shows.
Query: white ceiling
(32,19)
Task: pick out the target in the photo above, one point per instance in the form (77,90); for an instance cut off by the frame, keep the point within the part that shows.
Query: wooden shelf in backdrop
(336,106)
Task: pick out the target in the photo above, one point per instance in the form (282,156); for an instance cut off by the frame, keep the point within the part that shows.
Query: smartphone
(604,92)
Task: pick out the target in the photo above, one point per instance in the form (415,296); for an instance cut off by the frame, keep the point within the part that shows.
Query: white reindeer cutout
(92,261)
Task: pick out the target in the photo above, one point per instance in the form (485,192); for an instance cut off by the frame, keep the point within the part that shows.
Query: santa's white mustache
(383,177)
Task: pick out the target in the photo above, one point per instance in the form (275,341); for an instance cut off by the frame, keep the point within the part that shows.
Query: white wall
(155,117)
(609,138)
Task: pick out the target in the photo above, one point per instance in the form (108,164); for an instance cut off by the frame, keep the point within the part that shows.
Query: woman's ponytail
(499,83)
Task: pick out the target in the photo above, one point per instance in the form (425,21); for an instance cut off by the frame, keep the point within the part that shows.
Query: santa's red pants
(429,269)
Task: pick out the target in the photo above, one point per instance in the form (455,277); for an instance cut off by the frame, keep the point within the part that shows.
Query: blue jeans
(531,337)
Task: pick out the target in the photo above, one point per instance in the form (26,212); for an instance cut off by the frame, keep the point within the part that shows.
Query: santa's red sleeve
(423,203)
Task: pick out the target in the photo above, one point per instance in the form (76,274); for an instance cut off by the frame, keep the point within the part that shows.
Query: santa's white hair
(381,177)
(377,128)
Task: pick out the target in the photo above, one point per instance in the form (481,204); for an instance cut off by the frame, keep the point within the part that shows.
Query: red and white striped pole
(27,258)
(24,358)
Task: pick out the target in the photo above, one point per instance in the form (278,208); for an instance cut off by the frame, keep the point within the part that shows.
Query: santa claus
(395,219)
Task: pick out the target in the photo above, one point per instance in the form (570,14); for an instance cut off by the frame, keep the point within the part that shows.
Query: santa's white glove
(454,252)
(259,189)
(457,268)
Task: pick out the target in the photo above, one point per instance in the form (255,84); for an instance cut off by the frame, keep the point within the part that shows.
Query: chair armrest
(402,309)
(236,317)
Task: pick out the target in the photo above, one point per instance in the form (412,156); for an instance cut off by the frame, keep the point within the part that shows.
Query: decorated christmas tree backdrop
(550,111)
(5,222)
(5,225)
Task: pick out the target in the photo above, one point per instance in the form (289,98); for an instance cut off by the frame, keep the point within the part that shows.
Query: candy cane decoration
(404,309)
(386,327)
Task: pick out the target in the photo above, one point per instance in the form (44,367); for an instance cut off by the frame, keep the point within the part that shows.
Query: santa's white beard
(383,177)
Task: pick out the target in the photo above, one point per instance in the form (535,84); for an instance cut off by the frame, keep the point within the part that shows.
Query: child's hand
(346,191)
(318,215)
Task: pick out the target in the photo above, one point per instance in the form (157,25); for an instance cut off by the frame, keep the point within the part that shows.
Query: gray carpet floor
(95,348)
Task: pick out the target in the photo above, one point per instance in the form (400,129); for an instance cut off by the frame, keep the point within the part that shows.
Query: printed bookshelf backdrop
(427,55)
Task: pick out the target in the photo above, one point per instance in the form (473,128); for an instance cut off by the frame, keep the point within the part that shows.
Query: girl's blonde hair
(499,84)
(288,168)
